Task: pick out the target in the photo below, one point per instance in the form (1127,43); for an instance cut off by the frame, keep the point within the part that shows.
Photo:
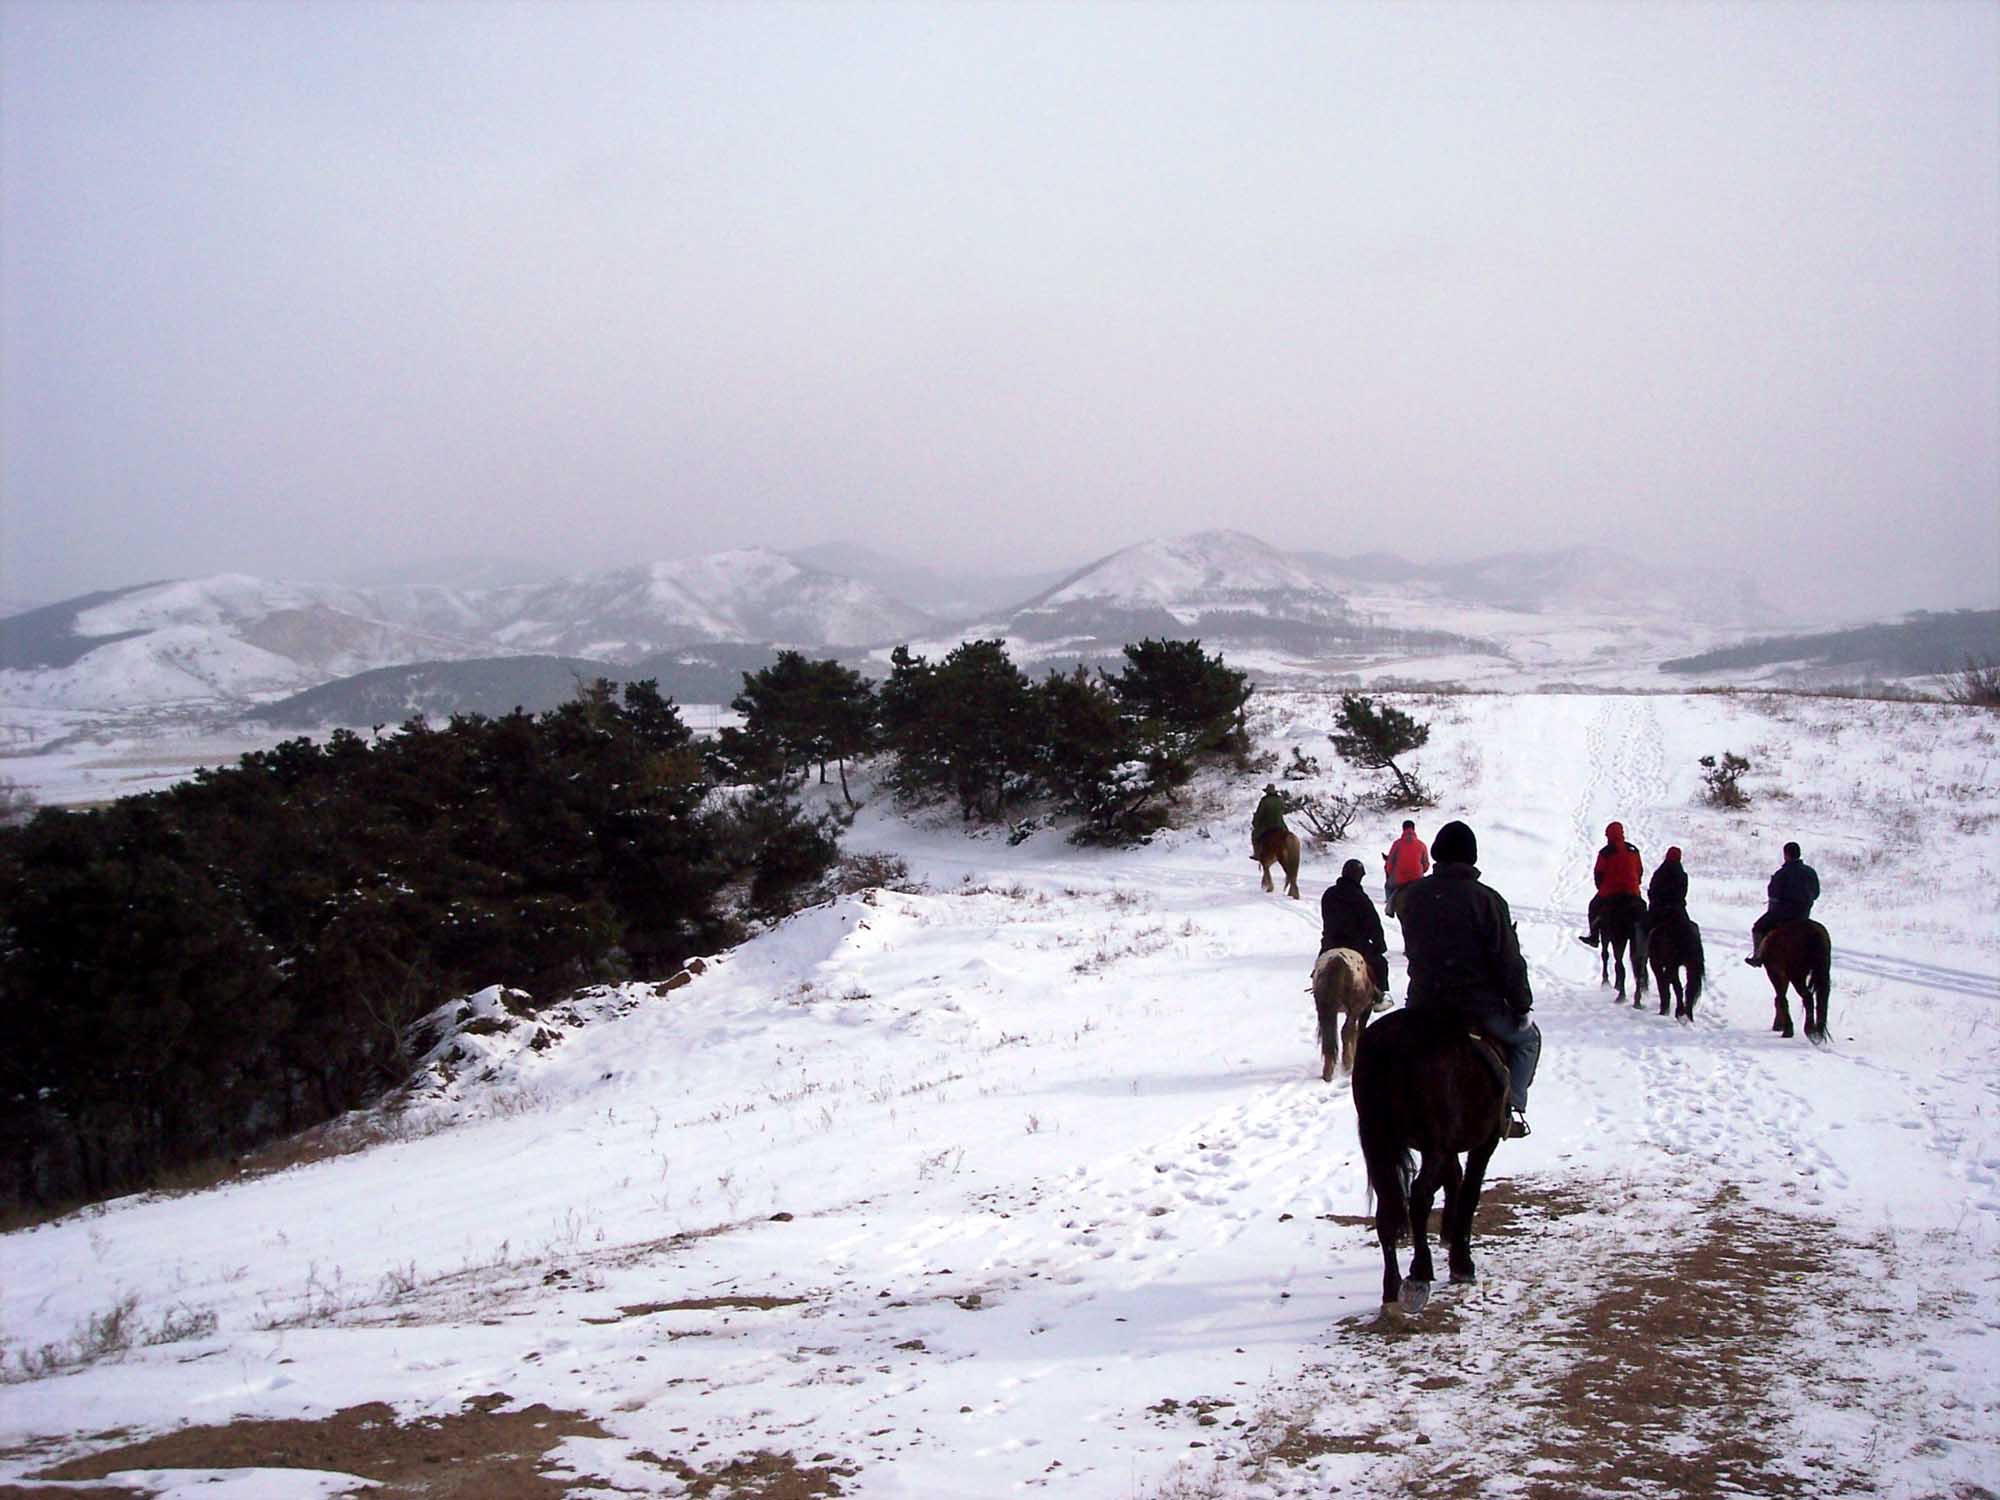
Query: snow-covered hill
(1193,575)
(943,593)
(233,639)
(1585,614)
(1584,580)
(746,595)
(228,638)
(1265,608)
(1015,1175)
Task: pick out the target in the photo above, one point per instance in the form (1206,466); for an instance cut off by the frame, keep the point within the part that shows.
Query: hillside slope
(1018,1174)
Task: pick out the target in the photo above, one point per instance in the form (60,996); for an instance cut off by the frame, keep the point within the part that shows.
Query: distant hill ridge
(1925,643)
(49,637)
(231,641)
(493,686)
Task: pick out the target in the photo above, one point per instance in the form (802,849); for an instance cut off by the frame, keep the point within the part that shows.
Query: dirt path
(1701,1360)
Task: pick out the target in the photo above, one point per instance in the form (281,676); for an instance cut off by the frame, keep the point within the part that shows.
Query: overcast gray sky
(297,289)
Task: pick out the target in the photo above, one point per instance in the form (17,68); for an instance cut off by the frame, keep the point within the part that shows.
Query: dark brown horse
(1343,994)
(1799,954)
(1279,847)
(1673,947)
(1623,926)
(1425,1090)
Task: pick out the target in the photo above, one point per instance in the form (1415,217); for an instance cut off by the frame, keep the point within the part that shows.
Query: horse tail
(1694,963)
(1822,968)
(1391,1169)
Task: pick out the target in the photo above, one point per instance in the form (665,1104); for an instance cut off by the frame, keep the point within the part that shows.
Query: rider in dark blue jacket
(1789,898)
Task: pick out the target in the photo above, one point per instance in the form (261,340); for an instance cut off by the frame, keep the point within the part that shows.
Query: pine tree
(1373,736)
(1179,684)
(797,712)
(1098,763)
(963,726)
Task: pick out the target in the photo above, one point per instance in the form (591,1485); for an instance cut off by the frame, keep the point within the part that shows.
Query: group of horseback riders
(1789,895)
(1459,941)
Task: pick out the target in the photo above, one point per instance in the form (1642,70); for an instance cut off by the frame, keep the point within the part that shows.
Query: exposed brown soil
(699,1304)
(485,1452)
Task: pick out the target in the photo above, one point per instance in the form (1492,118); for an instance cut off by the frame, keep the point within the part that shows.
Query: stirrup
(1517,1125)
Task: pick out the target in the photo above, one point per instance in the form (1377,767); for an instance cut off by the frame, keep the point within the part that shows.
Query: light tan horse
(1343,994)
(1279,847)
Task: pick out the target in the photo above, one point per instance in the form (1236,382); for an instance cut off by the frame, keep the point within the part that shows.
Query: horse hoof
(1326,1072)
(1785,1032)
(1413,1296)
(1464,1278)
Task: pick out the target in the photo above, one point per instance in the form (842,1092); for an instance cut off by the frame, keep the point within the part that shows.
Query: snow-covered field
(1020,1176)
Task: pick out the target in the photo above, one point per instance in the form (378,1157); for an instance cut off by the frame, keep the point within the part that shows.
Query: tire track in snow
(1875,965)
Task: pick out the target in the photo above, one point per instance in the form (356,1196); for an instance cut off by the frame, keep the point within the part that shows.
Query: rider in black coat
(1667,891)
(1465,958)
(1348,919)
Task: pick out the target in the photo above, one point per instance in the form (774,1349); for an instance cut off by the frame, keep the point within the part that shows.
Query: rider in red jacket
(1616,872)
(1407,862)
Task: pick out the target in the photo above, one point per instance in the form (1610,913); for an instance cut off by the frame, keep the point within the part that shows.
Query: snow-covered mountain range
(228,642)
(232,638)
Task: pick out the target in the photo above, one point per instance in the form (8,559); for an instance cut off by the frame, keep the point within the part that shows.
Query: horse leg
(1454,1203)
(1603,961)
(1465,1202)
(1422,1191)
(1781,1019)
(1350,1037)
(1391,1210)
(1267,874)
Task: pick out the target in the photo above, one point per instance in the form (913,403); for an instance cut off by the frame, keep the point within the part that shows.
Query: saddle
(1268,847)
(1489,1050)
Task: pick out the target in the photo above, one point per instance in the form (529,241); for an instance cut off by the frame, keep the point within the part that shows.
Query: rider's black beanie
(1353,870)
(1455,845)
